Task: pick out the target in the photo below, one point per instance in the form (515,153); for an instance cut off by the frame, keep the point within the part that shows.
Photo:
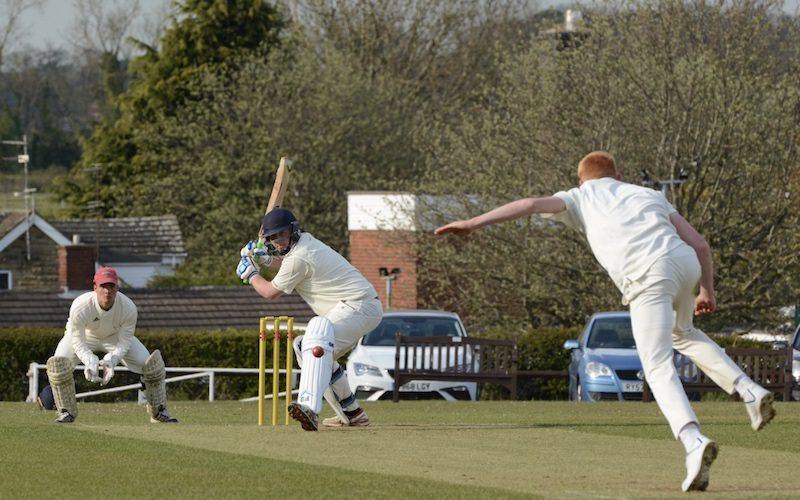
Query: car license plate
(632,386)
(415,387)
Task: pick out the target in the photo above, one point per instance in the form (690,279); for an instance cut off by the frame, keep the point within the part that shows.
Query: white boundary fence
(191,372)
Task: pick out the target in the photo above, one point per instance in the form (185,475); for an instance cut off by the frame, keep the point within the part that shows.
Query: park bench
(447,358)
(772,369)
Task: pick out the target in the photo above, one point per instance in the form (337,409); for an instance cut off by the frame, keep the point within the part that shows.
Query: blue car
(604,364)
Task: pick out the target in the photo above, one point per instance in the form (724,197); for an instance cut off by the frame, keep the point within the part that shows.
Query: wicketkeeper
(104,320)
(346,304)
(657,260)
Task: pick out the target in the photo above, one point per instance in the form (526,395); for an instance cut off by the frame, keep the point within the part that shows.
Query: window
(6,282)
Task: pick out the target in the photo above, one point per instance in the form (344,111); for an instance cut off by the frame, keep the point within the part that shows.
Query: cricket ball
(317,351)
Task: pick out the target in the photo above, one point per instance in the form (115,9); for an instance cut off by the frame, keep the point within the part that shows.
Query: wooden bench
(466,359)
(771,369)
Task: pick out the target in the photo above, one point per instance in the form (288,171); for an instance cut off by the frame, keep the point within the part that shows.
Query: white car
(370,366)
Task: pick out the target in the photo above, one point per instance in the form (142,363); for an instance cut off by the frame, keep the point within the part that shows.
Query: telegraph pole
(27,192)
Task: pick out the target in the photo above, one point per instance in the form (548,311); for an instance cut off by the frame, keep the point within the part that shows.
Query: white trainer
(758,402)
(698,464)
(65,417)
(162,415)
(359,420)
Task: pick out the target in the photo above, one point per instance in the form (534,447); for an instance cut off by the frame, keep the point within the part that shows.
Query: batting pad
(59,372)
(316,373)
(154,373)
(340,391)
(298,352)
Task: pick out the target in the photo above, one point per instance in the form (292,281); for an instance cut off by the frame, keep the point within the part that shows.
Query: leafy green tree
(205,36)
(345,118)
(342,132)
(704,87)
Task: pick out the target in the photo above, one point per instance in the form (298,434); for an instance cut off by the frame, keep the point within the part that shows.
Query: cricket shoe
(758,402)
(65,417)
(360,419)
(698,464)
(307,418)
(162,415)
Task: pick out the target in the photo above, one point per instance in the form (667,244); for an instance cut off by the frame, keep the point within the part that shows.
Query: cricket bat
(278,190)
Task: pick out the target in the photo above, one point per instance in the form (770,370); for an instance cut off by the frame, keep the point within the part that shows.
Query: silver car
(370,367)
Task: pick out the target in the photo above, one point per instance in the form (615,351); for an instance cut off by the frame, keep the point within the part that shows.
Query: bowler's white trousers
(661,313)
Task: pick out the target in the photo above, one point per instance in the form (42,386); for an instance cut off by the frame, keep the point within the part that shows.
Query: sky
(51,23)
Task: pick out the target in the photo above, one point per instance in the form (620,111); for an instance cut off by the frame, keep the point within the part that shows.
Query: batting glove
(90,369)
(256,250)
(247,269)
(108,363)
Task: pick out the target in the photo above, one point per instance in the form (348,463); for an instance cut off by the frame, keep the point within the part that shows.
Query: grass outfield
(412,450)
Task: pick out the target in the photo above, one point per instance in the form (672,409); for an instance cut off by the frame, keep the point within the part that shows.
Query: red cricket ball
(317,351)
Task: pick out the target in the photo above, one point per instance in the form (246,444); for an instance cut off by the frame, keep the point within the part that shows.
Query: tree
(11,11)
(706,87)
(205,36)
(347,121)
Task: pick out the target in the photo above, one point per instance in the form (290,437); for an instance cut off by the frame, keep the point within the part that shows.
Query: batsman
(346,304)
(104,320)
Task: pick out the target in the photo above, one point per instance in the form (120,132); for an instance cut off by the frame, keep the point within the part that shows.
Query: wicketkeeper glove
(109,363)
(256,250)
(90,369)
(247,269)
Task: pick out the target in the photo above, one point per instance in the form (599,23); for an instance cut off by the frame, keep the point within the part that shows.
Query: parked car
(370,367)
(796,364)
(604,364)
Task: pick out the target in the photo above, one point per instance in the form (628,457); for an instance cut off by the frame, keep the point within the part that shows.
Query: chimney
(75,267)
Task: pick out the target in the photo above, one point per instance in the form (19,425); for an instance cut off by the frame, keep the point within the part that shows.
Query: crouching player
(104,320)
(346,305)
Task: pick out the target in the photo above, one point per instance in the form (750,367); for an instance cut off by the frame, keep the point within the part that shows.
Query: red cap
(105,275)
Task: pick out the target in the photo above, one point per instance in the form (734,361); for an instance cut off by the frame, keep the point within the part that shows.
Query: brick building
(383,230)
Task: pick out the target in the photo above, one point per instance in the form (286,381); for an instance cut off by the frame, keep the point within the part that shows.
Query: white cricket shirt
(321,276)
(88,320)
(627,226)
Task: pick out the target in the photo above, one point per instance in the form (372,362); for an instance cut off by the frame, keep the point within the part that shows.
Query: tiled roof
(9,220)
(192,308)
(129,236)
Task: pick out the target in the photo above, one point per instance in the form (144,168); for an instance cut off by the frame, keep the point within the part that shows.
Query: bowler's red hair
(596,165)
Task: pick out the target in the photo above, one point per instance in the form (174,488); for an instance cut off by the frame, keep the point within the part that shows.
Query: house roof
(127,238)
(9,220)
(190,308)
(13,226)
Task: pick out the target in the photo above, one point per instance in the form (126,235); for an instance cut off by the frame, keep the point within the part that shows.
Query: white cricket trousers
(351,321)
(662,315)
(134,359)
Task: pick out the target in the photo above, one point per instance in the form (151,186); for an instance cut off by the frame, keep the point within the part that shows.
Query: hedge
(540,349)
(227,348)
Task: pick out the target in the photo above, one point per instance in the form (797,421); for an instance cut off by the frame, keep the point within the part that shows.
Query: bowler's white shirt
(627,226)
(87,320)
(321,276)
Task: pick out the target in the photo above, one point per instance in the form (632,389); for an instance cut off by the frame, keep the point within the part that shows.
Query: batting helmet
(277,220)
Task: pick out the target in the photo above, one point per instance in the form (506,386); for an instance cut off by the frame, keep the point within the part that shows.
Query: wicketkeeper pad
(316,373)
(154,373)
(59,372)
